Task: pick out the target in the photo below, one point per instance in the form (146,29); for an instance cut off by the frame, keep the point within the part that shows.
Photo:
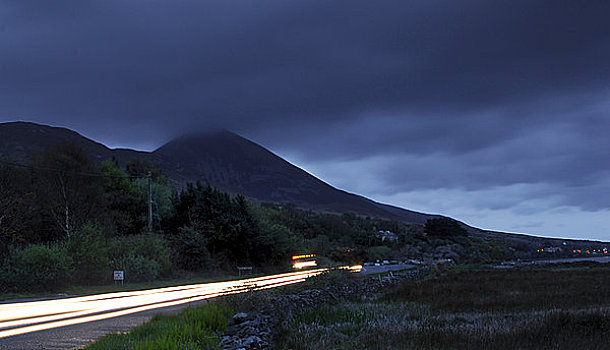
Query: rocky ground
(256,328)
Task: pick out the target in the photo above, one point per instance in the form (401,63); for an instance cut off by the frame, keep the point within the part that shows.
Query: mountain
(235,164)
(22,142)
(223,159)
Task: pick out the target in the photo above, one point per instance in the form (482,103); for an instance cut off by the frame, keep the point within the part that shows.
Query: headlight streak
(304,264)
(21,318)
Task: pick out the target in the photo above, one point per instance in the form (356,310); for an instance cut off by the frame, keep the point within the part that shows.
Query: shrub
(36,267)
(138,268)
(142,257)
(190,248)
(274,244)
(89,251)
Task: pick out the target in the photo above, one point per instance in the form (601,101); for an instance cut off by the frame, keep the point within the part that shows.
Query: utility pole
(149,175)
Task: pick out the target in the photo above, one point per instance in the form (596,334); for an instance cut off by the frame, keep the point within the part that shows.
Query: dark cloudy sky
(493,112)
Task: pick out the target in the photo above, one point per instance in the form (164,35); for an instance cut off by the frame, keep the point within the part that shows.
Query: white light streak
(303,264)
(27,317)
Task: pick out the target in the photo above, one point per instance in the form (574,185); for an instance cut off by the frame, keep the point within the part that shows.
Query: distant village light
(304,256)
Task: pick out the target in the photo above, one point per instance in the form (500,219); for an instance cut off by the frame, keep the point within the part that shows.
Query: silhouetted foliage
(36,267)
(89,253)
(143,257)
(444,227)
(66,190)
(224,221)
(17,199)
(123,207)
(76,221)
(190,248)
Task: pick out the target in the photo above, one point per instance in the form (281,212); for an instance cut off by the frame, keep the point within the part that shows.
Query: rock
(253,341)
(240,317)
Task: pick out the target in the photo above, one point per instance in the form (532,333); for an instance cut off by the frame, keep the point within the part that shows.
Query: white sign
(119,275)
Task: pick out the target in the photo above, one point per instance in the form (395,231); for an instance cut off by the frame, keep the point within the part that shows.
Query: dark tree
(444,227)
(70,187)
(123,205)
(225,221)
(15,199)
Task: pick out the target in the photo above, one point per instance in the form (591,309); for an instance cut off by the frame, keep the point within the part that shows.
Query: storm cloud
(459,107)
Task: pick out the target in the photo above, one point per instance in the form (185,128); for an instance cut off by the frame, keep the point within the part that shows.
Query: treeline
(57,194)
(65,219)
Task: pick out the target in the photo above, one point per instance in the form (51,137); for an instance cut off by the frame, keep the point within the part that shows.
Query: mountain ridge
(221,158)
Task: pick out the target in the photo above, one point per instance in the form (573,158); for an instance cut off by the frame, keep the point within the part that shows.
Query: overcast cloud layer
(494,112)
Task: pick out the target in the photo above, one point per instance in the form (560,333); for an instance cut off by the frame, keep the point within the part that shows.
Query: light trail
(27,317)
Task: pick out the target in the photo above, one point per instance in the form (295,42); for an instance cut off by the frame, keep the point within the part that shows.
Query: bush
(190,248)
(36,267)
(138,268)
(89,251)
(142,257)
(275,244)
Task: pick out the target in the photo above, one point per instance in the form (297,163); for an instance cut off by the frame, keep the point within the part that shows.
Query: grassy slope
(525,309)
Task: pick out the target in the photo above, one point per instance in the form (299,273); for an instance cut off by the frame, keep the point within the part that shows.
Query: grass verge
(194,328)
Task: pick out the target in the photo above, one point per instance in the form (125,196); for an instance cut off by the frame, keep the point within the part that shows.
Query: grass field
(489,309)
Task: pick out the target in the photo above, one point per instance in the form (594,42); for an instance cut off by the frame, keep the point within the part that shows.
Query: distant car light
(304,264)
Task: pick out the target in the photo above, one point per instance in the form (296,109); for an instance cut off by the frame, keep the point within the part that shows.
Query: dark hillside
(222,159)
(235,164)
(24,141)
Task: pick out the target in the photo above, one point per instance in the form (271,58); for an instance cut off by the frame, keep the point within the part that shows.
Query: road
(367,270)
(74,322)
(598,259)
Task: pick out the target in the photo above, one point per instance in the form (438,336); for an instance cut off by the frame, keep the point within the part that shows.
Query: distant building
(387,236)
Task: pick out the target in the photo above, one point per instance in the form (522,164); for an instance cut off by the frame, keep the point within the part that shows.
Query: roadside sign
(243,269)
(119,276)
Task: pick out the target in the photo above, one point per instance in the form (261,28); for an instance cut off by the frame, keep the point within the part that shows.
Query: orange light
(304,256)
(355,268)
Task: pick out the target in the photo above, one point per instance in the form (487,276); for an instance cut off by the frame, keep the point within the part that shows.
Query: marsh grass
(194,328)
(522,309)
(509,290)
